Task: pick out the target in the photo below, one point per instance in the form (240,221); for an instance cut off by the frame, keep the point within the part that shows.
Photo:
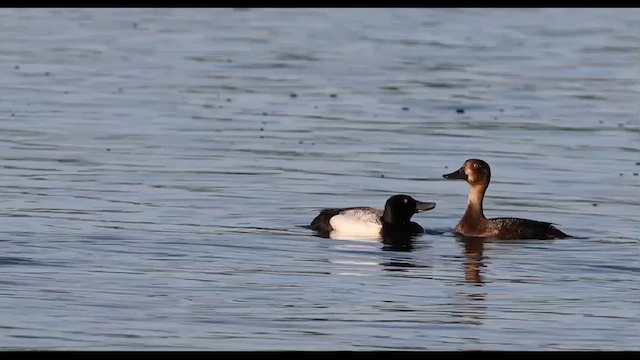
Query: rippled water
(159,167)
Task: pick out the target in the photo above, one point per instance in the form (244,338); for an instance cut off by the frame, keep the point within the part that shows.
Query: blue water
(158,167)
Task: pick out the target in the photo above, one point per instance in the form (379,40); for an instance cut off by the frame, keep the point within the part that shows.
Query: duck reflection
(472,309)
(473,249)
(398,242)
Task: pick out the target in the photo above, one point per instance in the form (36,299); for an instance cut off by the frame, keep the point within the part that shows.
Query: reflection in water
(472,309)
(390,242)
(473,253)
(398,242)
(397,248)
(399,265)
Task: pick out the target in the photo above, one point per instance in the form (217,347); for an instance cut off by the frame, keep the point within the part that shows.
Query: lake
(160,167)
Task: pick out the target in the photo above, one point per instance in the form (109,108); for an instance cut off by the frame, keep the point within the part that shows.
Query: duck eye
(475,165)
(406,200)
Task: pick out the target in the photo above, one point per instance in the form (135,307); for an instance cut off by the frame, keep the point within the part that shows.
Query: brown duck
(474,224)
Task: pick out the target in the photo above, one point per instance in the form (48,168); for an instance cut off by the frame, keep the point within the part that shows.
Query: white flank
(357,224)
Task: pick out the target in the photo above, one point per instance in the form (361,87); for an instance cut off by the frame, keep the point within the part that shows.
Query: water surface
(159,167)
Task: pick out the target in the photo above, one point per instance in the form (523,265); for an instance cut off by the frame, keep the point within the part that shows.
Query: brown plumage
(474,224)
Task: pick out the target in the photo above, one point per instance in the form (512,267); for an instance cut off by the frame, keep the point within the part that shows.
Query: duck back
(517,228)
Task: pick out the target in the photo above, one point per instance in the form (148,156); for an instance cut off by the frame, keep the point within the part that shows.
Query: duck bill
(458,174)
(424,206)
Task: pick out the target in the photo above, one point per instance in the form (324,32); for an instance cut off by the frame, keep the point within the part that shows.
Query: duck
(363,221)
(474,224)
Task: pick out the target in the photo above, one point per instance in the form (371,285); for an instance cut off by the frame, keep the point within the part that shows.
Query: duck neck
(388,218)
(474,202)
